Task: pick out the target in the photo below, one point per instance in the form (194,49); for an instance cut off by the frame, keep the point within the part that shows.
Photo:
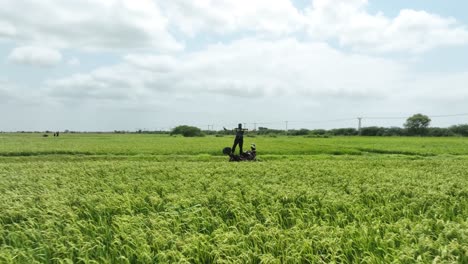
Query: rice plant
(146,208)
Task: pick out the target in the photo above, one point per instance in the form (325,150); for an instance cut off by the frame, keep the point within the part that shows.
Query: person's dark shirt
(240,132)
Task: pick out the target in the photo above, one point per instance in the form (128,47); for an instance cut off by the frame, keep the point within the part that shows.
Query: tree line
(416,125)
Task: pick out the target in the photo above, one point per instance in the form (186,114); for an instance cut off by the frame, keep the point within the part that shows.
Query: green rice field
(116,198)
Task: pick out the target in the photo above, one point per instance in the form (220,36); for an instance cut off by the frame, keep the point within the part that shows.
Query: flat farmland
(134,144)
(105,198)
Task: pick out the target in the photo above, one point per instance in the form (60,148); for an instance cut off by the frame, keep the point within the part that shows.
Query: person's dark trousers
(238,141)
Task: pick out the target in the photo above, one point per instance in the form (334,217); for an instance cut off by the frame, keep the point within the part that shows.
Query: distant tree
(343,132)
(394,131)
(461,130)
(372,131)
(417,124)
(187,131)
(268,131)
(439,132)
(300,132)
(318,132)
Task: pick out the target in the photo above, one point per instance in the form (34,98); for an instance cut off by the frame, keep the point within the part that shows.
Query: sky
(107,65)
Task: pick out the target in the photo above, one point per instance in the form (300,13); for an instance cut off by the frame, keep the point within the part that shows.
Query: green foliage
(268,131)
(458,130)
(393,131)
(344,132)
(439,132)
(318,132)
(382,131)
(187,131)
(417,124)
(372,131)
(461,130)
(125,145)
(300,132)
(332,210)
(136,198)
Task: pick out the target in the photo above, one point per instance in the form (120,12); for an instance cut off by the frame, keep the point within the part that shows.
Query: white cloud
(7,29)
(441,88)
(279,80)
(35,56)
(73,62)
(257,67)
(119,82)
(246,68)
(288,72)
(152,63)
(230,16)
(263,55)
(411,31)
(92,25)
(143,25)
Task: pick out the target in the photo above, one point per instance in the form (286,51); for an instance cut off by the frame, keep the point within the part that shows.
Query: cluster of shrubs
(457,130)
(187,131)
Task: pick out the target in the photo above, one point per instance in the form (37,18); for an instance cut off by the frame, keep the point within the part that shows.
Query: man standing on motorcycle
(239,140)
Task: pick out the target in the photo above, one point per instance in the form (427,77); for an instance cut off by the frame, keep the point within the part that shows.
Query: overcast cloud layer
(126,64)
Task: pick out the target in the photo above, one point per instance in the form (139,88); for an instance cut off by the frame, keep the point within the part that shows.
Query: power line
(384,118)
(455,115)
(257,123)
(323,121)
(405,117)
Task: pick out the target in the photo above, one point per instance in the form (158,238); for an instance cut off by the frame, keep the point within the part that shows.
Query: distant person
(58,134)
(239,140)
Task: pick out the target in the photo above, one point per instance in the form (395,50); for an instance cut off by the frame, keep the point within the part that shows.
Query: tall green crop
(291,207)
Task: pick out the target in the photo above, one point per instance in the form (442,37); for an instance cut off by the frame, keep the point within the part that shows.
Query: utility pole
(359,125)
(255,126)
(286,122)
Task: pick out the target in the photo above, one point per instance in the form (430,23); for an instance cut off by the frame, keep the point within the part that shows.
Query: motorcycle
(250,155)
